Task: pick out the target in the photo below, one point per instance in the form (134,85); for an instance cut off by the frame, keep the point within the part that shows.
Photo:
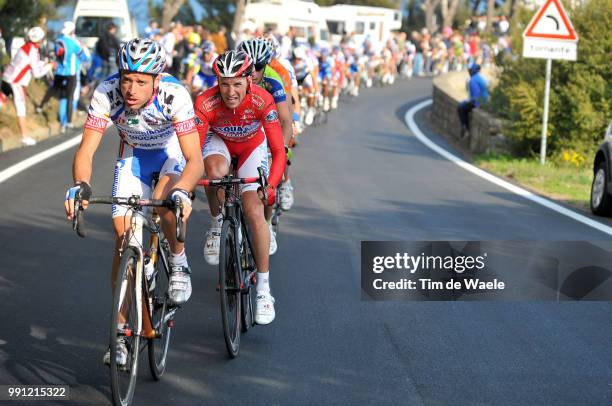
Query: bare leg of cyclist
(164,186)
(121,225)
(215,167)
(264,305)
(253,210)
(179,285)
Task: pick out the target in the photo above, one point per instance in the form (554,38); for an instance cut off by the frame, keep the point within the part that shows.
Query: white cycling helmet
(300,53)
(36,34)
(274,46)
(259,51)
(142,56)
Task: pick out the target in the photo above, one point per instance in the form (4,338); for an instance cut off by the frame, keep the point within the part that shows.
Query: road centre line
(410,122)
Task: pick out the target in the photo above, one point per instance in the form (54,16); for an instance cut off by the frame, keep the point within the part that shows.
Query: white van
(375,23)
(92,16)
(280,15)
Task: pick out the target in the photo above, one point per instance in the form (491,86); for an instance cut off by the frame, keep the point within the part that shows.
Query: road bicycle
(140,294)
(237,267)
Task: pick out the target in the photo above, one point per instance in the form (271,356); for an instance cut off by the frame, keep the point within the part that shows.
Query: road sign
(551,22)
(550,34)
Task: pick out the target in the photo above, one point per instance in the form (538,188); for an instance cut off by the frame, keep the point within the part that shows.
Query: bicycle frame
(231,208)
(139,220)
(145,326)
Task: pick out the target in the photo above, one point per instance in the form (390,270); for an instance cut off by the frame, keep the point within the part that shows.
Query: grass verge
(565,183)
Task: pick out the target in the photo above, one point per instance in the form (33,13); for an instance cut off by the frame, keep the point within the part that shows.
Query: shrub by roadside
(581,91)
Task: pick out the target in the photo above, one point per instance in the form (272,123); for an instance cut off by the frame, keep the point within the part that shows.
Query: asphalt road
(362,176)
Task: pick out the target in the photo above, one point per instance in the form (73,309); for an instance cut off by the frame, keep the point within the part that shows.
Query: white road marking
(33,160)
(409,119)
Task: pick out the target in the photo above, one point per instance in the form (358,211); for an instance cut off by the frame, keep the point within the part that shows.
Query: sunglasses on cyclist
(260,66)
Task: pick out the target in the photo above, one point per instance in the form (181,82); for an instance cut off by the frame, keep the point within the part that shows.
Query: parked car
(601,188)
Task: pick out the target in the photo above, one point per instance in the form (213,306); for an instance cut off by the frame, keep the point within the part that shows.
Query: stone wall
(485,133)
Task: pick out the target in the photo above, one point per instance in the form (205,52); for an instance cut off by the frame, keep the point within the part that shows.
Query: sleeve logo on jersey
(272,116)
(278,93)
(95,123)
(184,127)
(211,103)
(258,102)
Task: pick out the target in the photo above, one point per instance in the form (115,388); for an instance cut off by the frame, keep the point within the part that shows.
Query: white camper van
(375,23)
(280,15)
(92,16)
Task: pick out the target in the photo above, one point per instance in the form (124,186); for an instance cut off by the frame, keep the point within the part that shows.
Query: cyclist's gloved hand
(181,194)
(80,190)
(289,153)
(271,195)
(185,198)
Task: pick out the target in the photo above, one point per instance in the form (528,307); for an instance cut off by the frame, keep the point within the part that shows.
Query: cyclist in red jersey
(230,118)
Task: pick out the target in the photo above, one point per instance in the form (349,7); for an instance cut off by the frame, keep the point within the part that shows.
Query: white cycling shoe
(286,196)
(179,290)
(211,246)
(28,141)
(309,119)
(273,244)
(122,353)
(264,308)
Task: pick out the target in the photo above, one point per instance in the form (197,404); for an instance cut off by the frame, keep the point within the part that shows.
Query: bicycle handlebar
(229,180)
(78,222)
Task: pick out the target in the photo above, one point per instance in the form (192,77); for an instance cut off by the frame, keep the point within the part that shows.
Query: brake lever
(178,212)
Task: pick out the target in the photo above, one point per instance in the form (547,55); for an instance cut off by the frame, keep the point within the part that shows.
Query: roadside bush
(581,91)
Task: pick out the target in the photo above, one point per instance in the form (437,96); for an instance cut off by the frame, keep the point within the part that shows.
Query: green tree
(581,91)
(18,15)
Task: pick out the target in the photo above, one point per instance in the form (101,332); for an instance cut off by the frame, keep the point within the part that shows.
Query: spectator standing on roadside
(503,25)
(107,48)
(220,41)
(17,74)
(152,29)
(69,56)
(168,41)
(478,94)
(418,54)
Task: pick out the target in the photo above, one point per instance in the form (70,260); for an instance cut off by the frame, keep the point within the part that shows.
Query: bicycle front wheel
(161,316)
(124,321)
(229,284)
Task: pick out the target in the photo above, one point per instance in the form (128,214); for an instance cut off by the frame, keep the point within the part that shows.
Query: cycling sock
(263,282)
(178,259)
(216,222)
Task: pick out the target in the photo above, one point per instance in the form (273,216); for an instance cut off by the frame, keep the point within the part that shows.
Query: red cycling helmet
(233,64)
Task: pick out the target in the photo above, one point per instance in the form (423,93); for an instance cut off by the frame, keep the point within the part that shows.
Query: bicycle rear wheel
(160,318)
(229,281)
(123,378)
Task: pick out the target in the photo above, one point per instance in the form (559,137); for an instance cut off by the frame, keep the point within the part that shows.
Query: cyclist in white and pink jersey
(17,74)
(154,117)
